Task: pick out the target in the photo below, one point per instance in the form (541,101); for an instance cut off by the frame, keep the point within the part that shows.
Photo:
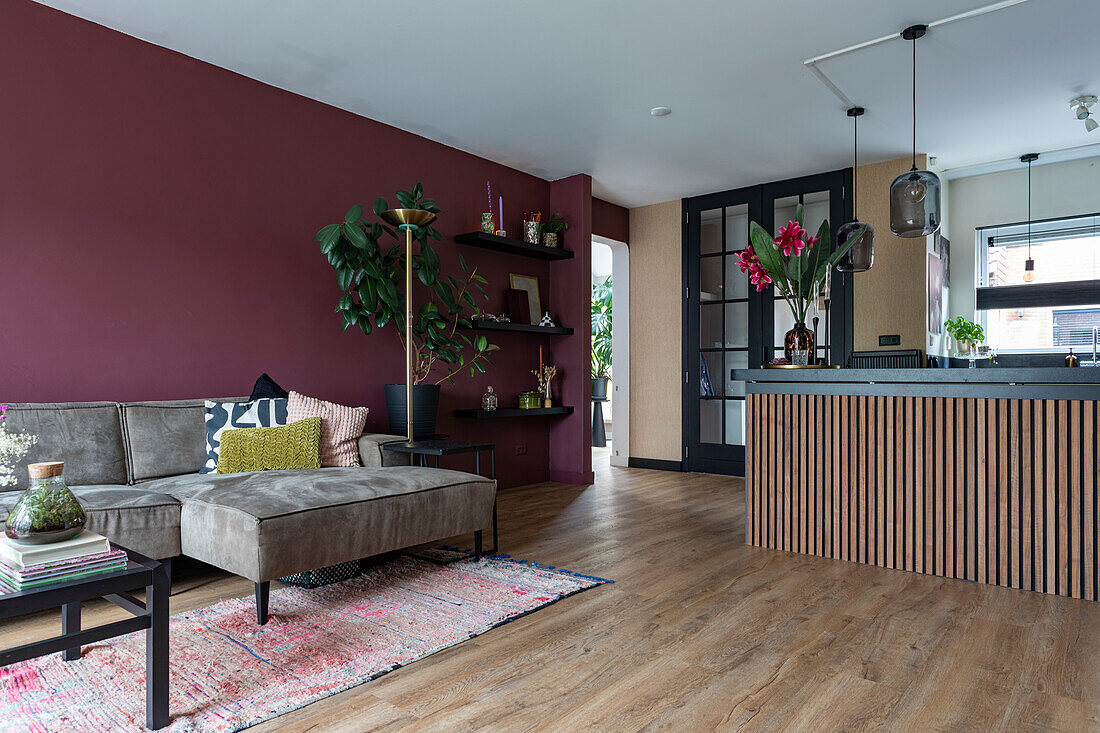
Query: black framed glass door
(717,329)
(727,324)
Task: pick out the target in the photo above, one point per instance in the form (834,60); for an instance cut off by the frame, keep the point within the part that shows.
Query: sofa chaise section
(269,525)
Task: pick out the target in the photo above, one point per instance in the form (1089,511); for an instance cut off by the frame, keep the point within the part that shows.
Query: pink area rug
(228,673)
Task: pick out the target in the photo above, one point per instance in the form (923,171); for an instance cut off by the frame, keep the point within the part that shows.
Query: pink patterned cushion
(340,427)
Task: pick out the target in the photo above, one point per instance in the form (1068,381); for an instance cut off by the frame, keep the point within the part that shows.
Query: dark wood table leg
(70,624)
(156,649)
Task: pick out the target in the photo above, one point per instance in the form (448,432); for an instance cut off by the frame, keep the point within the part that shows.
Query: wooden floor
(702,632)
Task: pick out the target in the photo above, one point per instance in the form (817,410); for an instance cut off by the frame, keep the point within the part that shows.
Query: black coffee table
(152,616)
(437,447)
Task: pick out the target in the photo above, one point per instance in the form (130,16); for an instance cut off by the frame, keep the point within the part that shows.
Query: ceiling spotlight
(1090,125)
(1082,112)
(661,111)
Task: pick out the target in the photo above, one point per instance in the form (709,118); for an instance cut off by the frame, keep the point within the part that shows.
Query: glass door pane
(737,325)
(735,422)
(710,232)
(735,360)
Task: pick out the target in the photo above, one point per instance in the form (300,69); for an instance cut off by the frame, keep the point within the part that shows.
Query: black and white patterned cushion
(262,413)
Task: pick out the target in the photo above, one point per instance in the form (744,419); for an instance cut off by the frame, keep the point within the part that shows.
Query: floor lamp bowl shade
(915,204)
(862,254)
(408,217)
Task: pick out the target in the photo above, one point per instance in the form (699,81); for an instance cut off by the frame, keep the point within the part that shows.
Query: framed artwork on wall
(530,285)
(935,294)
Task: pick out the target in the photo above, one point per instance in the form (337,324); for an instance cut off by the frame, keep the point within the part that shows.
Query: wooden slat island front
(988,475)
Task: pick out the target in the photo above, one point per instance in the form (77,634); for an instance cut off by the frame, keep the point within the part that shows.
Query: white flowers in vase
(13,446)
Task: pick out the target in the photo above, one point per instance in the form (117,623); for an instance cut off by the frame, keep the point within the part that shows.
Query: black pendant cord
(914,104)
(1029,209)
(855,167)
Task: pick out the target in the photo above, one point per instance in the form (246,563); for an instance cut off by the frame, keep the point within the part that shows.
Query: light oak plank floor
(701,632)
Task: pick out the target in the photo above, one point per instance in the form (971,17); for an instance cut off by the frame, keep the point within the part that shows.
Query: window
(1051,308)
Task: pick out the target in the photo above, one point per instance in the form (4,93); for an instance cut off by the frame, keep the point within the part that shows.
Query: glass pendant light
(1029,264)
(915,196)
(862,253)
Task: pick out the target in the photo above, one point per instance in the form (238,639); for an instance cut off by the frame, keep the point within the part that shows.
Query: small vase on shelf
(487,225)
(489,400)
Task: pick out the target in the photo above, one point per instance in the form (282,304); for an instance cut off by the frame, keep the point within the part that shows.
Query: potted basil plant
(967,334)
(370,272)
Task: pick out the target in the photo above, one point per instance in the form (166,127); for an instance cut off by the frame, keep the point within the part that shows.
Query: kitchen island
(987,474)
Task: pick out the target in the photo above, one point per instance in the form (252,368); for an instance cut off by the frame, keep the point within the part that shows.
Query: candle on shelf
(540,361)
(500,208)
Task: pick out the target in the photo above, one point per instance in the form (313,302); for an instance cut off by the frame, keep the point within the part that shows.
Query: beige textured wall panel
(655,324)
(892,296)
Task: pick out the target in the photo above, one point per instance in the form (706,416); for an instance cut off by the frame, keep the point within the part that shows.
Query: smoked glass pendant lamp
(862,254)
(915,196)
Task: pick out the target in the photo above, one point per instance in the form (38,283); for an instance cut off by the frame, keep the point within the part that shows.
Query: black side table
(152,615)
(437,448)
(599,438)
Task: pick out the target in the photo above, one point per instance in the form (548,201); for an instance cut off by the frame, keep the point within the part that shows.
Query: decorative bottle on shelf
(1072,360)
(489,400)
(47,511)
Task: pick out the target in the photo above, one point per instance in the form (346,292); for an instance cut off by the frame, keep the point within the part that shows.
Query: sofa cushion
(287,447)
(164,438)
(219,415)
(139,520)
(87,436)
(267,387)
(267,525)
(340,430)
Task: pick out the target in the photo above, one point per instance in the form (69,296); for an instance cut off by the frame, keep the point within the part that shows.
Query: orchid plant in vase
(797,264)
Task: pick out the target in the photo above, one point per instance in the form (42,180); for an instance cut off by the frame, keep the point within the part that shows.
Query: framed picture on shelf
(516,306)
(530,285)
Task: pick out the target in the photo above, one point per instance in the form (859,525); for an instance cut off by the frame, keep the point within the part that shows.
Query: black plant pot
(425,409)
(599,388)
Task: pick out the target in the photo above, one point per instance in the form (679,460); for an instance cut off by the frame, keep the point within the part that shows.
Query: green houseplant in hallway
(370,273)
(601,338)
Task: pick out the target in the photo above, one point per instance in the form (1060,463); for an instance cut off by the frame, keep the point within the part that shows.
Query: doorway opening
(610,353)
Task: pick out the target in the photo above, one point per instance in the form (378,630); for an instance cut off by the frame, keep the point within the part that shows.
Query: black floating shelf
(513,246)
(519,328)
(513,412)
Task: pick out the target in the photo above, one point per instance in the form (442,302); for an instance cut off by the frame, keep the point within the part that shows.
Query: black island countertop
(999,382)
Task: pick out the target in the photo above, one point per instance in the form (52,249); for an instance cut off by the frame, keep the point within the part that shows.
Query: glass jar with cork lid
(47,511)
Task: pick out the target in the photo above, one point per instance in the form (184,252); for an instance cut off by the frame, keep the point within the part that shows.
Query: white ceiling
(557,87)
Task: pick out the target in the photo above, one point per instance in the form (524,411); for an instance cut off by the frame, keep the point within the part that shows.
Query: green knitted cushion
(297,445)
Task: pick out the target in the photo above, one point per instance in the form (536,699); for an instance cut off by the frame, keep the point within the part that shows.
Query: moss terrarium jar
(47,511)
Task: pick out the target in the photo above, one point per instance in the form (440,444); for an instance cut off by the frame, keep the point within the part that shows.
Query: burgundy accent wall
(157,217)
(571,437)
(611,221)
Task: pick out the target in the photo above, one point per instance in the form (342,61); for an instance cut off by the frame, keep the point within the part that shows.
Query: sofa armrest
(371,454)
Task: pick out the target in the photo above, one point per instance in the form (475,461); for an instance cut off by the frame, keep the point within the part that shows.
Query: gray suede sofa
(134,467)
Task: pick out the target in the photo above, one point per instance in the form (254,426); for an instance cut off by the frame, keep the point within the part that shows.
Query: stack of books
(24,567)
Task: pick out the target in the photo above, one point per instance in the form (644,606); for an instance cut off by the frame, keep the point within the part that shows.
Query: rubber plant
(370,273)
(601,329)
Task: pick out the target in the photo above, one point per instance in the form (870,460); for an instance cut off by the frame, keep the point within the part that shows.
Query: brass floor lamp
(410,220)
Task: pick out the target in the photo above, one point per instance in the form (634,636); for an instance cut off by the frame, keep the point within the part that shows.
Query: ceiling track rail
(812,64)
